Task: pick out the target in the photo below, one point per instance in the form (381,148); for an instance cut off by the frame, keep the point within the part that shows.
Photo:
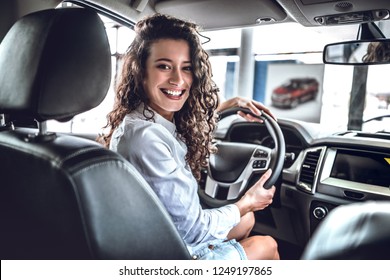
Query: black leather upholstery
(48,59)
(64,197)
(358,231)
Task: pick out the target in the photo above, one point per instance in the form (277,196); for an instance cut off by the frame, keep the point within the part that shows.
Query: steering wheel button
(259,163)
(260,154)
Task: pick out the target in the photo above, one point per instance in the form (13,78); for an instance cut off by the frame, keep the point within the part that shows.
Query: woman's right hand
(257,197)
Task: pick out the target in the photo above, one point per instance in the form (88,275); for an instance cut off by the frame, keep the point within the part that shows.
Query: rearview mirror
(358,52)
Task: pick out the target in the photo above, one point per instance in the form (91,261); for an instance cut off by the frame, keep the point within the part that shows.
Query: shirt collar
(170,126)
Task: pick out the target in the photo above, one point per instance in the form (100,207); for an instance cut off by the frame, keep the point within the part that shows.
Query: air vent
(308,171)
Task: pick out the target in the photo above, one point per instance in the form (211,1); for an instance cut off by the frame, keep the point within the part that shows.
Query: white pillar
(246,66)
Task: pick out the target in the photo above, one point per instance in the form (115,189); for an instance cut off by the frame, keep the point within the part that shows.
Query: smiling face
(168,76)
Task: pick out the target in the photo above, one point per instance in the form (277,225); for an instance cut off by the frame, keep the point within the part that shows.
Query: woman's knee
(272,246)
(271,243)
(261,248)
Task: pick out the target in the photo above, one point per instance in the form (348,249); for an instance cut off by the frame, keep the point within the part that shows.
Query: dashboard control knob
(320,212)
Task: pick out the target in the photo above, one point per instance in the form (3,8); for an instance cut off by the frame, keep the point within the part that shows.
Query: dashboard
(322,170)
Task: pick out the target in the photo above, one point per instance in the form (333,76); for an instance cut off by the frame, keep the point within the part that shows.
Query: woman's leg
(244,228)
(260,248)
(256,247)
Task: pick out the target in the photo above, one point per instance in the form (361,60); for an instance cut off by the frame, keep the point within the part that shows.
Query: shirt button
(194,257)
(211,247)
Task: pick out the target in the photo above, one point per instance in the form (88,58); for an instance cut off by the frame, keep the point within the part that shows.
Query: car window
(320,93)
(377,100)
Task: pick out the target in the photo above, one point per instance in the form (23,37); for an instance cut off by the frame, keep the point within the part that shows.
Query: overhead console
(333,12)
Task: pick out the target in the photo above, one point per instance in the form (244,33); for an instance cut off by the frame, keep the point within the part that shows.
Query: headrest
(54,64)
(354,231)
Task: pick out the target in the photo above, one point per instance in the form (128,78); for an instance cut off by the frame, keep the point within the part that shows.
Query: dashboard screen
(362,167)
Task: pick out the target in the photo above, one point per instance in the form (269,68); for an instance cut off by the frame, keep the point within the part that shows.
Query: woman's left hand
(254,106)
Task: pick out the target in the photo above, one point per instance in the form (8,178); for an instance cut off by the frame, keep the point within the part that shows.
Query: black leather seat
(63,197)
(358,231)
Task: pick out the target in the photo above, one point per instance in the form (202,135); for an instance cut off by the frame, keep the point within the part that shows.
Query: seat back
(64,197)
(358,231)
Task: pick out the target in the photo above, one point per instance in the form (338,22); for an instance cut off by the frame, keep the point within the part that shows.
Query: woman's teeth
(173,92)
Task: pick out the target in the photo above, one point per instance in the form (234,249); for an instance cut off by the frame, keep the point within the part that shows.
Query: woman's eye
(188,68)
(163,66)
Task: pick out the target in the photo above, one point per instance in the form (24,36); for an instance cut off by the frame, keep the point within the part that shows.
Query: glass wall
(277,61)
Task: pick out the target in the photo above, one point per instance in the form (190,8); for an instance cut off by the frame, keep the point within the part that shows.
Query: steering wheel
(237,166)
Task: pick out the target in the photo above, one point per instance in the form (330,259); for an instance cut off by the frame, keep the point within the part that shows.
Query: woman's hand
(254,106)
(257,198)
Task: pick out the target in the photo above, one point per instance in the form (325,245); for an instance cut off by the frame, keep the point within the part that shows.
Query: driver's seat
(63,197)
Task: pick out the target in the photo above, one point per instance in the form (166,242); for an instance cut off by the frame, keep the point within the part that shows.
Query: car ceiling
(210,14)
(215,14)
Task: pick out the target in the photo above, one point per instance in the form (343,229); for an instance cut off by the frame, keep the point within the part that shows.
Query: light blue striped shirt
(159,155)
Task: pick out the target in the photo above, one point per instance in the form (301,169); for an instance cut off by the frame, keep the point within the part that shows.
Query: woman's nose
(176,78)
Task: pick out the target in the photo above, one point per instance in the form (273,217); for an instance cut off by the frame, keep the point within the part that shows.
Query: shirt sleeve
(159,157)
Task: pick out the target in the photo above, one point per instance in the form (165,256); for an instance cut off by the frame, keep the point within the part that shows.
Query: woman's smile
(171,93)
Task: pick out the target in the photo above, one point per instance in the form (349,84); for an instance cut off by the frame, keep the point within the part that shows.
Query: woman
(163,123)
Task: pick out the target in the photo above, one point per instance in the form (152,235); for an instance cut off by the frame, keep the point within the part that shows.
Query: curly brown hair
(196,121)
(377,52)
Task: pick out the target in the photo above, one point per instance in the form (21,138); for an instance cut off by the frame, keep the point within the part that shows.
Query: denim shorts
(219,250)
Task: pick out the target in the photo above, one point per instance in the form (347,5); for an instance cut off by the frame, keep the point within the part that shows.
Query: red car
(294,92)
